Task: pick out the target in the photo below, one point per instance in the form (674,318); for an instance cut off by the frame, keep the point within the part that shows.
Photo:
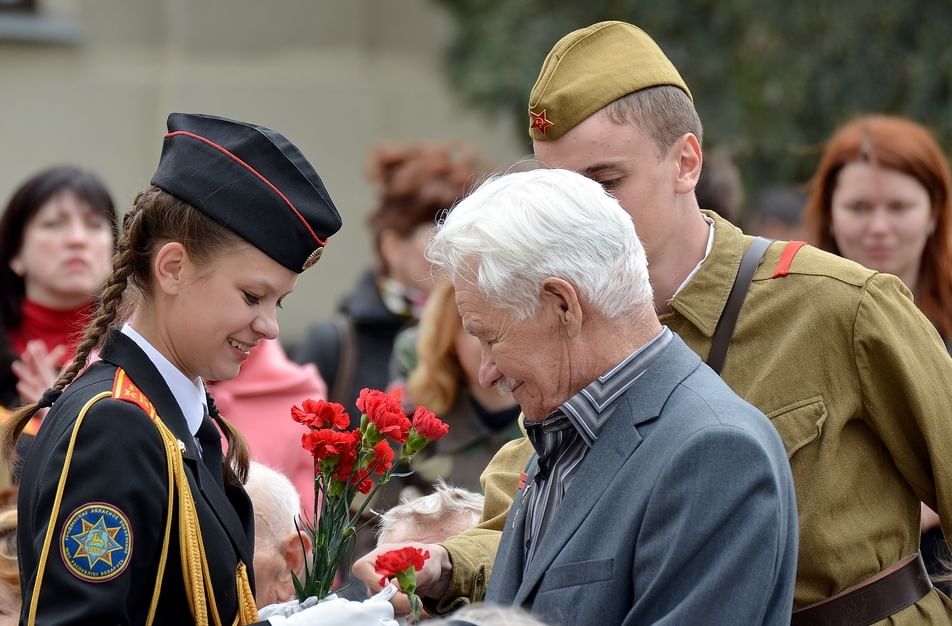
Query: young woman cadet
(128,513)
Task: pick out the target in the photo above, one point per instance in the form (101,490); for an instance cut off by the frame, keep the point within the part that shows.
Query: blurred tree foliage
(771,78)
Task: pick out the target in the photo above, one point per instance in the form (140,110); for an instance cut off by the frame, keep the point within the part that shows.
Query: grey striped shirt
(563,439)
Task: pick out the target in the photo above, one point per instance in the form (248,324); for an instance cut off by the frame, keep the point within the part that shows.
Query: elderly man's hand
(432,581)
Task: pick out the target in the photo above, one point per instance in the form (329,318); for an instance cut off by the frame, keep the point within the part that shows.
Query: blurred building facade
(91,81)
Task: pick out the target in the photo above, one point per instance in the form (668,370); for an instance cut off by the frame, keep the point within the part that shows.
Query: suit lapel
(619,438)
(614,445)
(123,352)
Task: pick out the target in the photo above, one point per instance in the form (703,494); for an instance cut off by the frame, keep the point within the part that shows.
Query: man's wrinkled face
(524,357)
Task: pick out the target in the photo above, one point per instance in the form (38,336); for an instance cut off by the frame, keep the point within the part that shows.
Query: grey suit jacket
(683,512)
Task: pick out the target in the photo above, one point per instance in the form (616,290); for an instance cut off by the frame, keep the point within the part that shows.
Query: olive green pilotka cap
(591,68)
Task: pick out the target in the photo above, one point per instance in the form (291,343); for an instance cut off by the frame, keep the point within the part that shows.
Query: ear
(17,266)
(689,159)
(562,297)
(170,267)
(391,248)
(293,552)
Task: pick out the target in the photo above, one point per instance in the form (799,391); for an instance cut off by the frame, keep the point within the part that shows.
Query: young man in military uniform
(853,377)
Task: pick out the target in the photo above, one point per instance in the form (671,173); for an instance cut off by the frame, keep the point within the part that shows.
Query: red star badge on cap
(539,121)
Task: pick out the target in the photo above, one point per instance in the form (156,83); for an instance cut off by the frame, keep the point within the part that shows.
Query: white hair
(445,504)
(518,229)
(276,504)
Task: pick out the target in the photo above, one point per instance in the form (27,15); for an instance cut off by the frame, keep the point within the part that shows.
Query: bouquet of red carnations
(348,462)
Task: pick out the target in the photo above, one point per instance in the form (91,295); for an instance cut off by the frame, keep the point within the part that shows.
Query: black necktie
(210,439)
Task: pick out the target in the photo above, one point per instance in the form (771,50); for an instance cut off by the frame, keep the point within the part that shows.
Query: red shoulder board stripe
(33,426)
(786,258)
(125,389)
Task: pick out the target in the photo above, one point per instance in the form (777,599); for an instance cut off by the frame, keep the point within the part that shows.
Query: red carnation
(321,414)
(363,481)
(385,413)
(396,563)
(348,457)
(428,424)
(371,401)
(324,444)
(427,427)
(383,458)
(393,425)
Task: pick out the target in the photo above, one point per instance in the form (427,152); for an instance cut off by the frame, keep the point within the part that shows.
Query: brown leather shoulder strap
(725,325)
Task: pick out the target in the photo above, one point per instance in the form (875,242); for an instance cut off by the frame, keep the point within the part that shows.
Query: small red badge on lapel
(539,122)
(523,477)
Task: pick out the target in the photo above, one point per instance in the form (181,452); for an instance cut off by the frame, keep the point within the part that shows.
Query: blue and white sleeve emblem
(96,542)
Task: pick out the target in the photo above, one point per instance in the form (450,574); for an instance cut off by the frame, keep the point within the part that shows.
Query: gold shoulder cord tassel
(247,609)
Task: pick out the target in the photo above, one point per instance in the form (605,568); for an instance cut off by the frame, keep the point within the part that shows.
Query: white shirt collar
(707,253)
(190,394)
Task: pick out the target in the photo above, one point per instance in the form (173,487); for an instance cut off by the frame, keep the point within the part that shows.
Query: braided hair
(156,218)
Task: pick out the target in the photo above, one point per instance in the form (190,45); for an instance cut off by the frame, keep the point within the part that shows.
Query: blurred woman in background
(445,379)
(882,196)
(57,238)
(415,184)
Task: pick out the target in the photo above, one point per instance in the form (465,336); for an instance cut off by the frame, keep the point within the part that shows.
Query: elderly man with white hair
(656,494)
(431,518)
(278,543)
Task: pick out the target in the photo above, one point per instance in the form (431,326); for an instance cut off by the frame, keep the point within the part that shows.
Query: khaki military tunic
(857,382)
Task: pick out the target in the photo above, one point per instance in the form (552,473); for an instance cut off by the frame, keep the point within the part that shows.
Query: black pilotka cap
(251,180)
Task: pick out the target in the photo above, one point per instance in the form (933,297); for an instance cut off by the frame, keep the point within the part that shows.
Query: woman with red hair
(882,196)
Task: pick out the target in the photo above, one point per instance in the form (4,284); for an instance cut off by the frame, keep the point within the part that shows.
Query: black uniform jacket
(98,560)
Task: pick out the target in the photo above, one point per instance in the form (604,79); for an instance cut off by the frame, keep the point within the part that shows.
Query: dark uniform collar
(123,352)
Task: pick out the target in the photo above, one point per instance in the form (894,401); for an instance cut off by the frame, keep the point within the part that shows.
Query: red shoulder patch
(786,258)
(33,426)
(124,389)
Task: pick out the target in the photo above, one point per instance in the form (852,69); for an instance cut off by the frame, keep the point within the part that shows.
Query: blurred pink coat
(258,402)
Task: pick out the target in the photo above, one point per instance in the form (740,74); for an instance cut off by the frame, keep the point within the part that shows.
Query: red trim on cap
(786,258)
(267,182)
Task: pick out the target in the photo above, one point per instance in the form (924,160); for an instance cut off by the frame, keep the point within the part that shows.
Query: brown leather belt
(900,585)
